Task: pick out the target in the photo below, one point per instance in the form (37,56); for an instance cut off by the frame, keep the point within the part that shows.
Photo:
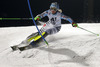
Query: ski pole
(35,22)
(15,18)
(88,30)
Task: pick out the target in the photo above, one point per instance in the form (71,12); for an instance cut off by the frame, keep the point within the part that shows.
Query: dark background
(76,9)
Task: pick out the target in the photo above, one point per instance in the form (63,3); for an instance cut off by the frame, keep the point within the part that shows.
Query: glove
(74,24)
(37,18)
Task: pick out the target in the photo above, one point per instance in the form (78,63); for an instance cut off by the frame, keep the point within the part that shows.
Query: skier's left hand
(74,24)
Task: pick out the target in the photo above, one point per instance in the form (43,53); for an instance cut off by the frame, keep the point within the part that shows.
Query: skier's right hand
(37,18)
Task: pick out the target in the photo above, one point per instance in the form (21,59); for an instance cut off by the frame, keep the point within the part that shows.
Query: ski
(14,48)
(30,46)
(33,44)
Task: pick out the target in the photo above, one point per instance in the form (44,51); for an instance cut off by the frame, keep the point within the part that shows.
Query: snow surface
(71,47)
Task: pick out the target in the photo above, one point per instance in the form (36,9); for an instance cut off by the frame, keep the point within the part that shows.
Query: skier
(52,26)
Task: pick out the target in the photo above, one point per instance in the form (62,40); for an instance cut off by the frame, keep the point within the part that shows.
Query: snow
(71,47)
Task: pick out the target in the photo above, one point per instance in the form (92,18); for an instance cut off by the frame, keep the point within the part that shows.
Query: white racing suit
(52,26)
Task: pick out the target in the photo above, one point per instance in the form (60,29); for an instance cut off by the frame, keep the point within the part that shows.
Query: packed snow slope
(71,47)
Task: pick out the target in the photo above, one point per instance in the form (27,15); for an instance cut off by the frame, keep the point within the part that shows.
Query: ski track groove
(7,52)
(4,50)
(33,55)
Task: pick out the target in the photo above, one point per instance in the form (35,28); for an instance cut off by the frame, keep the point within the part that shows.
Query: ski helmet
(54,6)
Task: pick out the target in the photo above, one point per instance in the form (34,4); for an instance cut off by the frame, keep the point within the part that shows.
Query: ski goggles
(53,9)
